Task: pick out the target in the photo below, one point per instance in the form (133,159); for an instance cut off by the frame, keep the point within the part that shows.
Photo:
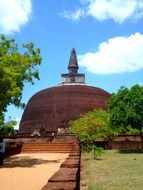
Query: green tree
(91,126)
(15,69)
(118,110)
(7,128)
(126,109)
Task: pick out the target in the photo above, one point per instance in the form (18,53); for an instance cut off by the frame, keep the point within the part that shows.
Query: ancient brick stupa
(54,107)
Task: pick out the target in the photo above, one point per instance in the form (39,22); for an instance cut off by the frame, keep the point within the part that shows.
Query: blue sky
(107,36)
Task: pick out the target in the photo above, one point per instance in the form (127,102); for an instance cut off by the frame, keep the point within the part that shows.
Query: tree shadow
(86,159)
(99,158)
(91,158)
(130,151)
(25,161)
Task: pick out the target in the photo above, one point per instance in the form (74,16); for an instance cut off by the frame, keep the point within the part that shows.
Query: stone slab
(70,163)
(65,175)
(60,186)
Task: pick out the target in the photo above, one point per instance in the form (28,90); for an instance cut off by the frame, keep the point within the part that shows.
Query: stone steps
(54,147)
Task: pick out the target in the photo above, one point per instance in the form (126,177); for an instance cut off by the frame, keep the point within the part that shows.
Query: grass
(114,171)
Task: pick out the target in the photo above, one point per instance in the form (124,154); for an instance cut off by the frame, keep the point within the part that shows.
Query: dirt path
(29,171)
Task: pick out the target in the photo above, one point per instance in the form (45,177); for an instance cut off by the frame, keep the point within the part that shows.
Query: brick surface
(54,107)
(47,147)
(70,163)
(65,175)
(74,154)
(60,186)
(73,158)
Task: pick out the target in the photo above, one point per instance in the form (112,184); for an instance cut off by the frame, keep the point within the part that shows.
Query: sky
(106,34)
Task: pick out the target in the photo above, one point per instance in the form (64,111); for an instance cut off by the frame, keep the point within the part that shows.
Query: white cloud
(117,55)
(74,15)
(118,10)
(14,14)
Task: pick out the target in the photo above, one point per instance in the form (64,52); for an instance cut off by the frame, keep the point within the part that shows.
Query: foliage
(118,110)
(15,69)
(7,128)
(91,126)
(126,109)
(132,131)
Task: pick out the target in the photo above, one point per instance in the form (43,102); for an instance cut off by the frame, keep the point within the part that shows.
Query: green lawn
(115,171)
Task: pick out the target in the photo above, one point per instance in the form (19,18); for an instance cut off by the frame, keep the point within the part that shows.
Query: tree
(118,109)
(91,126)
(7,128)
(15,69)
(126,109)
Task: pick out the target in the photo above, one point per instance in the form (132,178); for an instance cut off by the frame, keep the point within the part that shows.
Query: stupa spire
(73,76)
(73,64)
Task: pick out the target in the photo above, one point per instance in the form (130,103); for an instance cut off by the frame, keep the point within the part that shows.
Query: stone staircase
(59,144)
(53,147)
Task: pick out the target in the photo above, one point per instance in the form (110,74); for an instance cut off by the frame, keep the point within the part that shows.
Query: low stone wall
(126,145)
(121,142)
(57,144)
(63,143)
(68,176)
(12,148)
(28,139)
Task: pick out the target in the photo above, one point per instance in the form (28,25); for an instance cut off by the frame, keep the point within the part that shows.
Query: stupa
(54,107)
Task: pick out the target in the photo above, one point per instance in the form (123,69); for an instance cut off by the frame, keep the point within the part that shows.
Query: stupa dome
(54,107)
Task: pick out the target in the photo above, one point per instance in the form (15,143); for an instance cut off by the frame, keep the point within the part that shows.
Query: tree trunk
(94,153)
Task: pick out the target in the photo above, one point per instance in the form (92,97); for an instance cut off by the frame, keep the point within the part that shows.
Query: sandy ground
(29,171)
